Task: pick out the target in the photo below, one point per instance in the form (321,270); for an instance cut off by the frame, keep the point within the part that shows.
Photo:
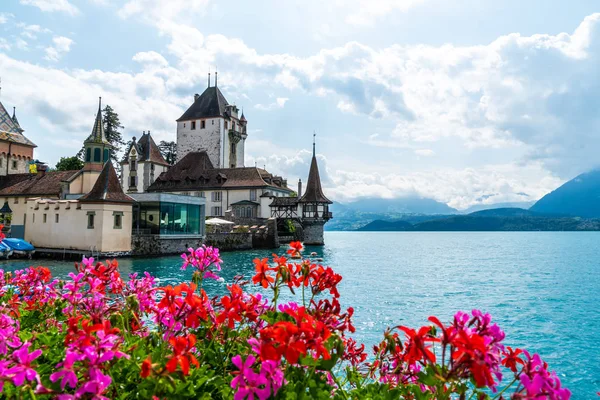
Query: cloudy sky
(463,101)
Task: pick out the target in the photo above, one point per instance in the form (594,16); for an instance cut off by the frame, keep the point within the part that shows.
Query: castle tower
(16,151)
(315,206)
(213,125)
(97,152)
(142,164)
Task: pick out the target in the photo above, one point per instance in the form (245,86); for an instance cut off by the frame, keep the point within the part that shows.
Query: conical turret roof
(10,130)
(314,191)
(97,135)
(107,188)
(15,120)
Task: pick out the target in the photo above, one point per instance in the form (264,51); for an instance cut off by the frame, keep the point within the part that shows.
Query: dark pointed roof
(243,119)
(15,120)
(211,103)
(147,150)
(314,191)
(107,188)
(97,135)
(10,130)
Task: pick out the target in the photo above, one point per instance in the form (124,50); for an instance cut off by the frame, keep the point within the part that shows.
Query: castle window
(202,124)
(16,200)
(56,217)
(193,125)
(97,155)
(118,216)
(233,147)
(88,154)
(184,124)
(90,219)
(213,121)
(132,181)
(45,218)
(14,164)
(233,126)
(216,211)
(252,194)
(106,155)
(226,125)
(151,167)
(133,165)
(216,196)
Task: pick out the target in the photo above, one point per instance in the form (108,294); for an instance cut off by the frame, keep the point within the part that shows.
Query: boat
(19,246)
(5,250)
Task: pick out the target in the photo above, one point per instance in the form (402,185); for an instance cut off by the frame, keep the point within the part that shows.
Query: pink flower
(247,382)
(273,374)
(538,382)
(22,369)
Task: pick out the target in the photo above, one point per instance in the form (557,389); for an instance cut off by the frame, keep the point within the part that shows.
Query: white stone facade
(213,137)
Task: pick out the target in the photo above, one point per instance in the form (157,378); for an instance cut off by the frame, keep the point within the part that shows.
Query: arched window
(88,154)
(106,155)
(97,155)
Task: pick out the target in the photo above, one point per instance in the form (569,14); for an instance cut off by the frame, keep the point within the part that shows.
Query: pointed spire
(314,142)
(314,190)
(216,76)
(209,77)
(97,135)
(15,120)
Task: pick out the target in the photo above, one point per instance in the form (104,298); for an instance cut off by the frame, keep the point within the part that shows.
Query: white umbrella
(218,221)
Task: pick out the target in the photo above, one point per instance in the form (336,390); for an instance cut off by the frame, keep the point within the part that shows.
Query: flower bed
(98,336)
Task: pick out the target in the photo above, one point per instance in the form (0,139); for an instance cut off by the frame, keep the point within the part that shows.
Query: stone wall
(143,245)
(313,232)
(230,241)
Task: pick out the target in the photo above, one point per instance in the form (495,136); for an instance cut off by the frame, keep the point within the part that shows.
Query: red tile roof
(107,188)
(47,184)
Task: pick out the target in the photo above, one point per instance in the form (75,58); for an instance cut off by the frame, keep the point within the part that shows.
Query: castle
(153,207)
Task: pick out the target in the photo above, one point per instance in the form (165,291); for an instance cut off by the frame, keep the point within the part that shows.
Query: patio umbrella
(218,221)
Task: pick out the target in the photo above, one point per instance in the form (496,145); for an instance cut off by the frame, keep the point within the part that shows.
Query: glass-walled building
(168,214)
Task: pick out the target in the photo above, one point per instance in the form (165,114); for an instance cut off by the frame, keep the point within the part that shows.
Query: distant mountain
(480,207)
(382,226)
(400,205)
(578,197)
(354,215)
(505,212)
(487,221)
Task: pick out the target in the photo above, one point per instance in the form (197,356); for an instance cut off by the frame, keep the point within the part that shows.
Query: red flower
(262,267)
(471,351)
(146,367)
(182,356)
(416,348)
(295,249)
(512,358)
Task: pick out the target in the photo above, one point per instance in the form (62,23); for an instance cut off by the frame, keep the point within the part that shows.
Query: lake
(542,288)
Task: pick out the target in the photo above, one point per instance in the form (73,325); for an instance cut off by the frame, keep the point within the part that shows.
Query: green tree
(69,164)
(112,127)
(168,151)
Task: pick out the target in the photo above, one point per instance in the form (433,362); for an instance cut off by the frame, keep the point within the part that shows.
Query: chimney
(41,169)
(299,188)
(196,96)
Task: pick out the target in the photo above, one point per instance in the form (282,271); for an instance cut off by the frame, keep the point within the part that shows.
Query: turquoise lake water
(542,288)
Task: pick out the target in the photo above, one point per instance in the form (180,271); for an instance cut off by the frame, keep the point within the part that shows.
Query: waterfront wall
(145,245)
(313,233)
(230,241)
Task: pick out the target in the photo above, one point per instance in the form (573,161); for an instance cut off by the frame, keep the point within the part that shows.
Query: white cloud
(424,152)
(277,104)
(31,31)
(159,10)
(365,12)
(4,17)
(52,6)
(4,45)
(61,46)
